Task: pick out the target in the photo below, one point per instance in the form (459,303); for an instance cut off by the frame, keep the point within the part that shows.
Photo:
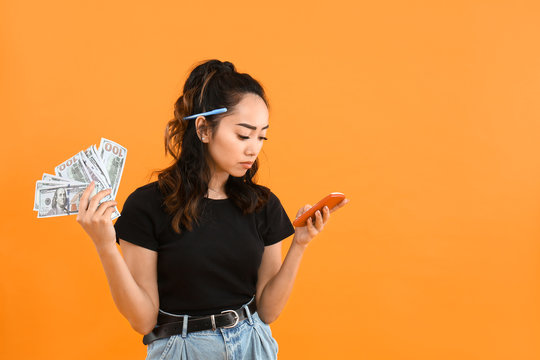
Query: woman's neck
(217,182)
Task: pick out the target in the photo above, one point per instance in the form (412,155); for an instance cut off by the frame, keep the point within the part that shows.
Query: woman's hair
(211,85)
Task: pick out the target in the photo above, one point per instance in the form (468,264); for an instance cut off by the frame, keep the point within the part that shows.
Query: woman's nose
(251,150)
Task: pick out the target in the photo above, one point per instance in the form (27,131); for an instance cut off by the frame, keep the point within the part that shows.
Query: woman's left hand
(304,234)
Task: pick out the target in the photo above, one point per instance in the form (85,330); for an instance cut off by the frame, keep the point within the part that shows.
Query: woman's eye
(247,137)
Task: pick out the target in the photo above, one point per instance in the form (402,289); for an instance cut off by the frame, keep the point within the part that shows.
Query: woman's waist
(197,311)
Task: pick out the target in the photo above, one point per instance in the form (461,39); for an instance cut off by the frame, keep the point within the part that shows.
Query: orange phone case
(331,200)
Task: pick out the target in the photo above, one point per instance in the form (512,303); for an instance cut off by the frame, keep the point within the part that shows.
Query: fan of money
(59,194)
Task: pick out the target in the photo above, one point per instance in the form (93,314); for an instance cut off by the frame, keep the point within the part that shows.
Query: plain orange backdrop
(424,113)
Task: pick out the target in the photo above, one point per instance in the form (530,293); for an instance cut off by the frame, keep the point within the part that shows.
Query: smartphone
(330,200)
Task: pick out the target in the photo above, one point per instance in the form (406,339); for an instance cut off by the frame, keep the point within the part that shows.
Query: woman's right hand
(95,218)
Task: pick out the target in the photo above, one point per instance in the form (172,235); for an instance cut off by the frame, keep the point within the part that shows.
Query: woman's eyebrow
(252,127)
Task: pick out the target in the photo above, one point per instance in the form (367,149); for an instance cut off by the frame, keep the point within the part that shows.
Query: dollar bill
(81,169)
(92,155)
(100,180)
(59,200)
(59,194)
(52,178)
(113,156)
(73,169)
(93,173)
(41,184)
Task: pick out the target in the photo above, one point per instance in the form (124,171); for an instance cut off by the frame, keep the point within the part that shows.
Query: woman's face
(239,137)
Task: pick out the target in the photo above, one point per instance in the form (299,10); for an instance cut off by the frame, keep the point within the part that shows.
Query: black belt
(172,325)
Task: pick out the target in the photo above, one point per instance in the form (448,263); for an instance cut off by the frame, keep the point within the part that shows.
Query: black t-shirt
(213,267)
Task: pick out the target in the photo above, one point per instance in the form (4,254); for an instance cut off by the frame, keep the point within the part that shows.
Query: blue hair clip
(212,112)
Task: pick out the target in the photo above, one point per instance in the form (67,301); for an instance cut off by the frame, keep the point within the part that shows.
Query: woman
(204,231)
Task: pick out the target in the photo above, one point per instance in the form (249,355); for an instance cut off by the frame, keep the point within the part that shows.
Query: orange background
(425,114)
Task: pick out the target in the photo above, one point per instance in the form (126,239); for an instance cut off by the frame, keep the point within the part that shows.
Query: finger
(108,212)
(83,201)
(340,205)
(326,214)
(94,202)
(319,221)
(311,229)
(104,206)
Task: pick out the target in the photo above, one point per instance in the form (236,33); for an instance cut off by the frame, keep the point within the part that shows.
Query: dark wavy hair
(212,84)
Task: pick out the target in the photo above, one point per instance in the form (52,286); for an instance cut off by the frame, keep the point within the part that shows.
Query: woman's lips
(247,165)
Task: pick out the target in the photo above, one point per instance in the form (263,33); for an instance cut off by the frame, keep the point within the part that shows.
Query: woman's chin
(238,173)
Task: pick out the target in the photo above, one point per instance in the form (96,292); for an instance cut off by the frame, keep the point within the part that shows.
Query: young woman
(201,274)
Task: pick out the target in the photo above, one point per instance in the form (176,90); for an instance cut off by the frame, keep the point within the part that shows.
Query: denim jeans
(250,339)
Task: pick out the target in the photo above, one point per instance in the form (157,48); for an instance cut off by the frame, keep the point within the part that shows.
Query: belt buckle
(235,321)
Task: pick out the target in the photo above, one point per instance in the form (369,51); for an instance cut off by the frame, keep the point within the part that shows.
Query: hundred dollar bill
(51,178)
(59,200)
(93,173)
(101,183)
(78,168)
(113,156)
(40,184)
(103,166)
(73,168)
(92,155)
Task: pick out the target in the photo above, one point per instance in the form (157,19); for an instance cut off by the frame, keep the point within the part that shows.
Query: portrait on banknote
(59,205)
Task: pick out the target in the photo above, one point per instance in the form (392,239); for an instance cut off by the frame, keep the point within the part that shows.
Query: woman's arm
(275,282)
(133,280)
(133,283)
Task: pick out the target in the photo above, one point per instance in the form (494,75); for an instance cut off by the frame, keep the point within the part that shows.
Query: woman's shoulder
(146,194)
(149,188)
(271,202)
(272,196)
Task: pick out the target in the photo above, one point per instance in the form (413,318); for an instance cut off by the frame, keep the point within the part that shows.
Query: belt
(173,324)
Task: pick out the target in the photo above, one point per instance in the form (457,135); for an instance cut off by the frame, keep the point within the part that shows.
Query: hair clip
(212,112)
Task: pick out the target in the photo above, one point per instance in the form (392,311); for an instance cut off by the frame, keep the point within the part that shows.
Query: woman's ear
(202,128)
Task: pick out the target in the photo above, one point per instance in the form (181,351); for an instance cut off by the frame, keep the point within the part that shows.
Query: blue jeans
(250,339)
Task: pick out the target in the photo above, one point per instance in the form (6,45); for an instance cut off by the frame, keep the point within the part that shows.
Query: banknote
(73,169)
(59,194)
(48,178)
(92,155)
(77,169)
(94,175)
(63,199)
(113,156)
(41,184)
(98,176)
(59,200)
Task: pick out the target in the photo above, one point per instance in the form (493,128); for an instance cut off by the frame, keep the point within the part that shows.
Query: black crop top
(213,267)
